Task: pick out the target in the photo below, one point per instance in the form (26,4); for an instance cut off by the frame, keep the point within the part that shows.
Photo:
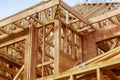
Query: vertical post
(73,45)
(99,74)
(72,77)
(30,54)
(43,51)
(57,41)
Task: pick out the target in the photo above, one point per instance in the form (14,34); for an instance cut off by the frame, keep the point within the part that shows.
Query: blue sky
(9,7)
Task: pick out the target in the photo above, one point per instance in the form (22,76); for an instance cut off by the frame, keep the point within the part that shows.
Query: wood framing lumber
(43,50)
(45,63)
(19,72)
(8,59)
(9,39)
(31,49)
(106,33)
(57,45)
(99,74)
(35,9)
(73,12)
(7,69)
(16,36)
(86,69)
(105,16)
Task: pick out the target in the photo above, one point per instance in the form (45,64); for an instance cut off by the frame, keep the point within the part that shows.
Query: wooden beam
(8,39)
(105,16)
(57,37)
(43,51)
(16,36)
(88,67)
(8,59)
(99,74)
(73,12)
(31,54)
(32,10)
(19,72)
(106,33)
(45,63)
(8,70)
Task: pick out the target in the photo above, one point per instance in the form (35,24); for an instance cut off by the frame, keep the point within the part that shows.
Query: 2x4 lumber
(43,51)
(115,43)
(8,70)
(8,59)
(8,39)
(19,72)
(91,13)
(85,69)
(45,63)
(73,12)
(4,31)
(17,24)
(111,20)
(72,77)
(105,16)
(105,9)
(70,28)
(57,42)
(114,53)
(31,54)
(107,54)
(99,74)
(36,20)
(39,7)
(16,36)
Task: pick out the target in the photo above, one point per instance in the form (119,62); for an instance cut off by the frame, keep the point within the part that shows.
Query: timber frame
(53,41)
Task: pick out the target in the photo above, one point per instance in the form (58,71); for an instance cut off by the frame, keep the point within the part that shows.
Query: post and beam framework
(53,41)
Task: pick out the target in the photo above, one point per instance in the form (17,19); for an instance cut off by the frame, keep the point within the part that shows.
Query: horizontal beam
(106,33)
(73,12)
(8,59)
(45,63)
(32,10)
(9,39)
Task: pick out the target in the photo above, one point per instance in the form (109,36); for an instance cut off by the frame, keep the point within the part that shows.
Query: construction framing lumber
(54,41)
